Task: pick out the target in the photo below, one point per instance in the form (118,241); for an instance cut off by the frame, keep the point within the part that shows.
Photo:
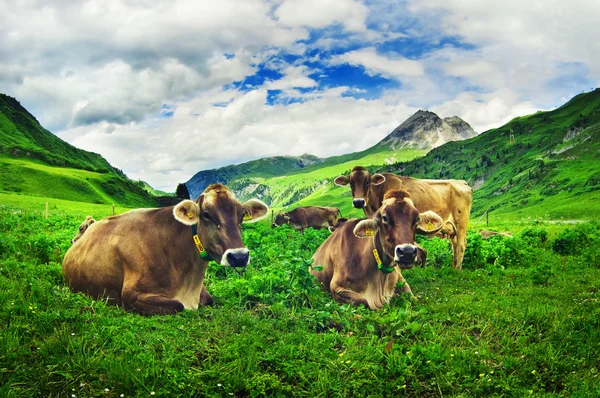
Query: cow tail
(340,213)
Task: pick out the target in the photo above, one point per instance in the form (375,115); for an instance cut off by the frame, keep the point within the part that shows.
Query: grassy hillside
(549,170)
(540,166)
(261,168)
(21,135)
(34,178)
(34,161)
(313,181)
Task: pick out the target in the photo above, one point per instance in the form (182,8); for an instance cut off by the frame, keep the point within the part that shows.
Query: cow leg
(149,303)
(344,295)
(205,297)
(459,245)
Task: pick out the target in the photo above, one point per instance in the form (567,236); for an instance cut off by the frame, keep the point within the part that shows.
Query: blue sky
(166,89)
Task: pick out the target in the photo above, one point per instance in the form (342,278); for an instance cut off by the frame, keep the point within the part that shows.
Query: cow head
(360,181)
(280,219)
(340,221)
(394,226)
(89,220)
(219,216)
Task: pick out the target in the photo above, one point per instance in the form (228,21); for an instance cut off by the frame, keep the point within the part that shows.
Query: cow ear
(342,180)
(254,209)
(377,179)
(187,212)
(91,221)
(429,223)
(366,228)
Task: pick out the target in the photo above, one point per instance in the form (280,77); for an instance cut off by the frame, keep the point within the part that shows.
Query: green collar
(383,268)
(203,253)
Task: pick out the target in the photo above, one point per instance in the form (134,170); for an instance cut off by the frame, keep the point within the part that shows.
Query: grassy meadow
(521,319)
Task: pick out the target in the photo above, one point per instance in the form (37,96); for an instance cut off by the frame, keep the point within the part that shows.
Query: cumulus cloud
(201,135)
(479,109)
(119,60)
(164,89)
(322,13)
(523,45)
(391,67)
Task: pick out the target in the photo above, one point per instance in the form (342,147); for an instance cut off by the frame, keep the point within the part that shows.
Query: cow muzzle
(236,258)
(405,255)
(358,203)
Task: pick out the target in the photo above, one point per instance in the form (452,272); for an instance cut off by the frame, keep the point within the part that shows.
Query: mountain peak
(426,130)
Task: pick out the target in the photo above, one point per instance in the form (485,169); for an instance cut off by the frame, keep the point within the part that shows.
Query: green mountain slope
(260,168)
(305,174)
(549,168)
(282,191)
(34,161)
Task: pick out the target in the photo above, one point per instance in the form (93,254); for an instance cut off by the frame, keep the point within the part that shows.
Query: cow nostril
(238,258)
(406,251)
(358,203)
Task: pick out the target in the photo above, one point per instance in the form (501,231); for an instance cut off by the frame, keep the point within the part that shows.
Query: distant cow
(448,231)
(340,221)
(451,199)
(89,220)
(365,271)
(310,216)
(486,234)
(153,261)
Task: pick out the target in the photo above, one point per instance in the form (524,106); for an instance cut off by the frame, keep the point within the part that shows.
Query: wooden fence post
(113,207)
(272,214)
(46,210)
(487,218)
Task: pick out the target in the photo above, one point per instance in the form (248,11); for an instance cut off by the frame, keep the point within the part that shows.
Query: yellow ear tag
(190,215)
(430,226)
(369,232)
(247,217)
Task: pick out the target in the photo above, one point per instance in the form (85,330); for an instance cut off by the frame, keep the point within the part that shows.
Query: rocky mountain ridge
(426,130)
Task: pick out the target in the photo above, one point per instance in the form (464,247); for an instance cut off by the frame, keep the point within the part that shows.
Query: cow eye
(384,219)
(206,215)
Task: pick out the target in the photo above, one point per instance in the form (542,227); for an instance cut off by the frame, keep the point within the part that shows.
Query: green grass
(18,203)
(34,178)
(306,186)
(34,161)
(519,320)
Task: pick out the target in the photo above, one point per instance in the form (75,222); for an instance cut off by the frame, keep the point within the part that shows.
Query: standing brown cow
(153,261)
(310,216)
(451,199)
(362,259)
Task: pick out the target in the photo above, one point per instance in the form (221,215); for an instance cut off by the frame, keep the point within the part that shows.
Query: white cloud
(124,59)
(525,34)
(485,111)
(322,13)
(200,135)
(397,67)
(293,77)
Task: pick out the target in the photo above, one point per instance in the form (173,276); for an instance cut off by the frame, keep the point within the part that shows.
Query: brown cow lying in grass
(361,260)
(89,220)
(153,261)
